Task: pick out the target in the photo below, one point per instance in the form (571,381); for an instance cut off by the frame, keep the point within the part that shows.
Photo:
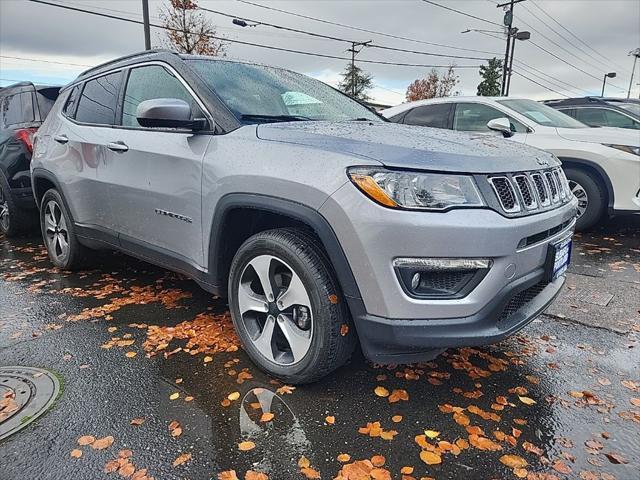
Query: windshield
(630,107)
(542,114)
(256,93)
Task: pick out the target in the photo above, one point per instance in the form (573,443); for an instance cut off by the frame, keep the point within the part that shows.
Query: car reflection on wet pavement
(149,359)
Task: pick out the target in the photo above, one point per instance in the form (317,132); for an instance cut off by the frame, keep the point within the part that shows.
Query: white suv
(602,164)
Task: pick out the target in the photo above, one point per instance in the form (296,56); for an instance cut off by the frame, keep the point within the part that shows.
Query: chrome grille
(530,192)
(506,194)
(552,186)
(526,191)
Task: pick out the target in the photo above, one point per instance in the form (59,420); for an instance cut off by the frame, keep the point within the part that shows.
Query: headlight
(625,148)
(412,190)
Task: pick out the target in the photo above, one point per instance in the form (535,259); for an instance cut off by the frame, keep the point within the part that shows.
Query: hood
(414,147)
(606,135)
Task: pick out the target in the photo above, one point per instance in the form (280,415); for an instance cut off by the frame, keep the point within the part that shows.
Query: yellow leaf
(304,462)
(527,400)
(343,457)
(208,359)
(130,354)
(430,458)
(174,396)
(431,434)
(381,391)
(233,396)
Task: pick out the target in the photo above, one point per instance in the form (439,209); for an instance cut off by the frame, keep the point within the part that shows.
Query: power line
(339,39)
(553,82)
(240,42)
(575,36)
(360,29)
(46,61)
(462,13)
(540,85)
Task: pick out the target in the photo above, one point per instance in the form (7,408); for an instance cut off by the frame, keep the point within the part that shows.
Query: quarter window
(98,101)
(17,109)
(72,102)
(436,116)
(151,82)
(473,117)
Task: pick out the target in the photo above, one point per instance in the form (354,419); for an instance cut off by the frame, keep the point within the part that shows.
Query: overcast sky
(598,37)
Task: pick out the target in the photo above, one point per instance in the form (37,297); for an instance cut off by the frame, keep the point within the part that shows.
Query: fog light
(440,277)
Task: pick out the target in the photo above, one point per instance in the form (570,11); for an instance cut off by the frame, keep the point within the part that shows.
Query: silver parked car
(320,221)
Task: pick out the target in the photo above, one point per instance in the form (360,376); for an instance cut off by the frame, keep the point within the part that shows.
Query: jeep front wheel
(286,307)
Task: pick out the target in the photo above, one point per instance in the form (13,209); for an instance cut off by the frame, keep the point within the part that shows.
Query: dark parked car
(24,107)
(601,112)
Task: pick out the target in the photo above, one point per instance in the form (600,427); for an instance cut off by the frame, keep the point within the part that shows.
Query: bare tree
(433,86)
(188,30)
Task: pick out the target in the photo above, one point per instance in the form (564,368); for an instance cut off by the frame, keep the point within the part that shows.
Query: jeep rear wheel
(286,306)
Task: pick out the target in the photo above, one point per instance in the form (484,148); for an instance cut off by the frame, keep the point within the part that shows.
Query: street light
(604,80)
(515,35)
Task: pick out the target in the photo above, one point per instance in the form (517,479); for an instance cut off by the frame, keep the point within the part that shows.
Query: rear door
(82,141)
(155,179)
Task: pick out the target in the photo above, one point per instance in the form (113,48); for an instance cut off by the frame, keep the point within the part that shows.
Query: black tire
(15,220)
(596,197)
(77,253)
(333,337)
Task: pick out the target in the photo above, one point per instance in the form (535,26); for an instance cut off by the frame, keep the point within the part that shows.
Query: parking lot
(146,357)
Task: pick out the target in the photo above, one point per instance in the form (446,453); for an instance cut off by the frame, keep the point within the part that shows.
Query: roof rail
(126,57)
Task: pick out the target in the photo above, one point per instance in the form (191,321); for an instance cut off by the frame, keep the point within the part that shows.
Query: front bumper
(395,327)
(386,340)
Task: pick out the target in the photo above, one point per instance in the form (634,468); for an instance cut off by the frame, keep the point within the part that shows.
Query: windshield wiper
(274,118)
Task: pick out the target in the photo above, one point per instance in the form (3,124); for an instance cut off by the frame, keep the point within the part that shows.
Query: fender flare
(599,170)
(288,208)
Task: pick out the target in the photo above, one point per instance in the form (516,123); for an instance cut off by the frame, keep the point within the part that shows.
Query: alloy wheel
(581,194)
(5,219)
(275,310)
(56,232)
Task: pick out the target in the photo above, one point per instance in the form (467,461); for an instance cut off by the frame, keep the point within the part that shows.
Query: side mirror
(168,113)
(500,125)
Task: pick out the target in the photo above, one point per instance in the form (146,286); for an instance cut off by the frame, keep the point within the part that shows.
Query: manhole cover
(25,394)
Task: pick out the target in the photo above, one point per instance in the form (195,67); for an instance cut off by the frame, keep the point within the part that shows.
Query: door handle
(118,146)
(61,139)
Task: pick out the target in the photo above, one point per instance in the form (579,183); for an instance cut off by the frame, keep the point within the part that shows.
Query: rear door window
(99,99)
(436,116)
(17,109)
(594,117)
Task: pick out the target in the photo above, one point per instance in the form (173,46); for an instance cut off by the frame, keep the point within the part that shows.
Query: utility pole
(515,35)
(147,29)
(354,52)
(508,23)
(635,53)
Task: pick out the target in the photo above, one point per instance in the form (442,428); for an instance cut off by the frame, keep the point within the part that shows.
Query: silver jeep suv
(322,223)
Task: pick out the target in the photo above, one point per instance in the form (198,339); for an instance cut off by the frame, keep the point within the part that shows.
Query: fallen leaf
(406,470)
(616,458)
(396,418)
(137,421)
(527,400)
(635,401)
(378,460)
(344,330)
(246,446)
(86,440)
(285,389)
(174,396)
(381,391)
(561,467)
(76,453)
(103,443)
(130,354)
(333,299)
(233,396)
(513,461)
(228,475)
(343,457)
(266,417)
(208,359)
(430,458)
(431,434)
(310,473)
(126,470)
(251,475)
(183,458)
(330,419)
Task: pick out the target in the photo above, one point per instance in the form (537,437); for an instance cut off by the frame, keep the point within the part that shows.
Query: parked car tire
(591,195)
(300,330)
(13,219)
(58,233)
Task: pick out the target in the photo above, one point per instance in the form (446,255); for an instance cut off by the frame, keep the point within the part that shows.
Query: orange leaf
(137,421)
(406,470)
(246,446)
(76,453)
(430,458)
(228,475)
(513,461)
(343,457)
(378,460)
(251,475)
(86,440)
(310,473)
(561,467)
(381,391)
(185,457)
(396,418)
(267,417)
(103,443)
(330,420)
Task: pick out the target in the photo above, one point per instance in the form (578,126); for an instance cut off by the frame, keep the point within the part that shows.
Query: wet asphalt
(567,381)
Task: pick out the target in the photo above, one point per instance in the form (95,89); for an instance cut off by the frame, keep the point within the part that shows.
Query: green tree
(356,82)
(491,78)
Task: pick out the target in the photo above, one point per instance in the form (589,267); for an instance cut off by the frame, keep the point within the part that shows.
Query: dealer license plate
(561,254)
